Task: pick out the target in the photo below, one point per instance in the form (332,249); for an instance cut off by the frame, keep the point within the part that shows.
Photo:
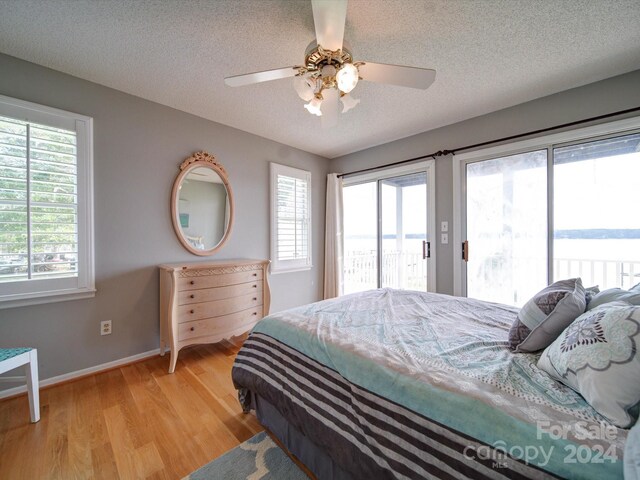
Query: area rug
(259,458)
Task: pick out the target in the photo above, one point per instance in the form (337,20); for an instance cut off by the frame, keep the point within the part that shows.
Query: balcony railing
(399,270)
(409,270)
(605,273)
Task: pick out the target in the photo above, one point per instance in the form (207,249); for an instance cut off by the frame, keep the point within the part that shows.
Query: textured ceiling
(489,54)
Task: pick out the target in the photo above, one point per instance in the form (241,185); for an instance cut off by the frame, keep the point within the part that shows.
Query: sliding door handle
(465,250)
(426,249)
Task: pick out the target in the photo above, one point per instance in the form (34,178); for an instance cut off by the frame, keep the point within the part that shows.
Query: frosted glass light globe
(313,106)
(305,87)
(347,77)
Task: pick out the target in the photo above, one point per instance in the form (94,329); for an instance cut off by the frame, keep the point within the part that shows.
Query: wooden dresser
(206,302)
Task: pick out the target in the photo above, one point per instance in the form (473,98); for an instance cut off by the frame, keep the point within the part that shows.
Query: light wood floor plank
(14,444)
(160,417)
(121,440)
(86,427)
(56,455)
(103,463)
(136,421)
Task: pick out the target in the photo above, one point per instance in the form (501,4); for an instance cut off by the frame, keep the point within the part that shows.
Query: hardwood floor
(136,421)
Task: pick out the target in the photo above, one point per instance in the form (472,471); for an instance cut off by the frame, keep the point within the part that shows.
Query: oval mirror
(202,204)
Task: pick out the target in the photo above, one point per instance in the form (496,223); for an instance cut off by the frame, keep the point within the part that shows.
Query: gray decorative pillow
(598,356)
(612,295)
(546,315)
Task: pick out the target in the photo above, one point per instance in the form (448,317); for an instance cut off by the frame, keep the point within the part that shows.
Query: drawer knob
(192,296)
(254,299)
(192,311)
(255,286)
(255,274)
(192,282)
(192,328)
(255,313)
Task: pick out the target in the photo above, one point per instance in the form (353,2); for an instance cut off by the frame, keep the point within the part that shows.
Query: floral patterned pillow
(598,356)
(548,313)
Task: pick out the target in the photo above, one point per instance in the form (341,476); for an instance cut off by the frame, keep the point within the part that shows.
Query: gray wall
(138,146)
(611,95)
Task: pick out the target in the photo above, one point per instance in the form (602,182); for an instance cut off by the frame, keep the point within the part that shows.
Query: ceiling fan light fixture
(329,71)
(347,77)
(305,86)
(348,102)
(313,107)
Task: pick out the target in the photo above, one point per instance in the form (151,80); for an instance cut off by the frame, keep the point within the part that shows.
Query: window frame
(293,265)
(37,291)
(546,142)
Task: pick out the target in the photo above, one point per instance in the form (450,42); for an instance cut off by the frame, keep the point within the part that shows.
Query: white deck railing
(409,270)
(605,273)
(399,270)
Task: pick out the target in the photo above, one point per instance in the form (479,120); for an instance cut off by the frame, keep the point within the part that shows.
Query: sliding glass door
(386,231)
(558,211)
(507,227)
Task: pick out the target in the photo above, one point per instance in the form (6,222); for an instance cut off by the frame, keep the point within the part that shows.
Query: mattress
(401,384)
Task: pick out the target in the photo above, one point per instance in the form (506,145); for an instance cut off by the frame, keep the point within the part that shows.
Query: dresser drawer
(187,297)
(217,308)
(217,280)
(219,325)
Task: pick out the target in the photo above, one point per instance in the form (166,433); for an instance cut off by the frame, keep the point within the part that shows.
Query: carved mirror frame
(200,160)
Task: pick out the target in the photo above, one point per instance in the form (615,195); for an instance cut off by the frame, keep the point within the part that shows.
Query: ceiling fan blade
(257,77)
(329,17)
(330,108)
(397,75)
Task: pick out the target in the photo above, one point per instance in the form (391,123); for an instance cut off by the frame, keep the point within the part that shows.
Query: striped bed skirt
(340,430)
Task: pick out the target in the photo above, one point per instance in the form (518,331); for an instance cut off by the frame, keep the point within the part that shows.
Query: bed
(401,384)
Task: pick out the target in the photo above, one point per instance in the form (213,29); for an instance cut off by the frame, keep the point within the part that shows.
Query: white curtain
(333,240)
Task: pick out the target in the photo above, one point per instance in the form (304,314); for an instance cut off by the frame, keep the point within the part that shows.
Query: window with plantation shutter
(290,219)
(46,247)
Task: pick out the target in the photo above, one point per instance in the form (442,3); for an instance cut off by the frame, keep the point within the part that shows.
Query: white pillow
(598,356)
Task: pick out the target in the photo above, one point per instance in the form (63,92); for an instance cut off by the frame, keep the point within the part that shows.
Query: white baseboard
(81,373)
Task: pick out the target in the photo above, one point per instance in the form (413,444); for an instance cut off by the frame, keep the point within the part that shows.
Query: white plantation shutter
(45,205)
(290,218)
(38,201)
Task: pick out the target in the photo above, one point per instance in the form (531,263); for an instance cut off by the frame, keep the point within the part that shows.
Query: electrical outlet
(105,327)
(444,226)
(444,238)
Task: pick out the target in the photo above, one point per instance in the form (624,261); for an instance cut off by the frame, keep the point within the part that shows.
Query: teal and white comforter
(440,368)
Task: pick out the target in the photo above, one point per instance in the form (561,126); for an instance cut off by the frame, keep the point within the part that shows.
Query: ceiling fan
(329,73)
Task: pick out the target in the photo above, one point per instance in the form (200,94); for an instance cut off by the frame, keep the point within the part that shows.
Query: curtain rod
(453,151)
